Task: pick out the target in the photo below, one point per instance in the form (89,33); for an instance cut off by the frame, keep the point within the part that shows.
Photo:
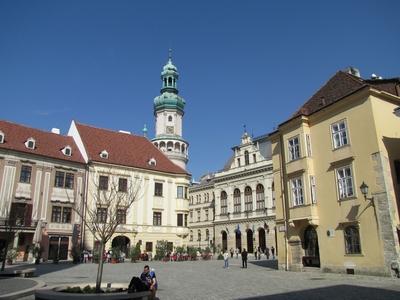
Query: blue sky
(240,62)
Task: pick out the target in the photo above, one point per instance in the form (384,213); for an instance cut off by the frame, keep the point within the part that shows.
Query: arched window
(199,199)
(170,146)
(162,146)
(169,81)
(30,143)
(236,201)
(199,235)
(352,240)
(248,199)
(165,82)
(246,158)
(183,148)
(224,203)
(207,235)
(169,118)
(177,147)
(260,196)
(191,236)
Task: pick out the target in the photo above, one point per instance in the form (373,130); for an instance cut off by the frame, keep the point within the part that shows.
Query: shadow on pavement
(348,292)
(272,264)
(43,268)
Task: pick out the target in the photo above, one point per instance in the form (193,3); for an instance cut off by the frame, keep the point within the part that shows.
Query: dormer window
(30,143)
(67,151)
(152,162)
(104,154)
(1,137)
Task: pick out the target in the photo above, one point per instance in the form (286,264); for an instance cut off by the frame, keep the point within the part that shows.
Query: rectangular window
(25,175)
(206,214)
(254,158)
(179,192)
(339,134)
(294,148)
(66,215)
(191,216)
(122,185)
(312,189)
(69,181)
(297,191)
(59,179)
(224,206)
(179,220)
(186,220)
(102,215)
(345,182)
(158,189)
(103,183)
(186,192)
(308,144)
(121,216)
(157,218)
(56,214)
(198,215)
(149,246)
(238,162)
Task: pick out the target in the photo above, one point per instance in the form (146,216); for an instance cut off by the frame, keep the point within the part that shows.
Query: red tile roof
(47,144)
(124,149)
(341,85)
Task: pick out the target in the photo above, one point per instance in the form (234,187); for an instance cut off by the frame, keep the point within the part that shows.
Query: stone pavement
(208,280)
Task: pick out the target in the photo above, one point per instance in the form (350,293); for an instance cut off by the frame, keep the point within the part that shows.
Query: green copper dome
(169,100)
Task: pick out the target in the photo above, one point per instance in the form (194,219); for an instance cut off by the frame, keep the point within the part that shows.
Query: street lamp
(364,190)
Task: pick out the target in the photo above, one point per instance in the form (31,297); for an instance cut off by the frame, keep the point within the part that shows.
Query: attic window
(104,154)
(30,143)
(152,162)
(67,151)
(1,137)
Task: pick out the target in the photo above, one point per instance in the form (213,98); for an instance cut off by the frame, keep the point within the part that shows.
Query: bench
(29,272)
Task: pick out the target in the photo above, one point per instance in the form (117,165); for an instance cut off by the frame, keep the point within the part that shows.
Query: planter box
(55,294)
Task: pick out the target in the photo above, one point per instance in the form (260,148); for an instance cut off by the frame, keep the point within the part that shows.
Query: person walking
(226,260)
(231,251)
(259,253)
(273,252)
(244,258)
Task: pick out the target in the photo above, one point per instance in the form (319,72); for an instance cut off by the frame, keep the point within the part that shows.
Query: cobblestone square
(209,280)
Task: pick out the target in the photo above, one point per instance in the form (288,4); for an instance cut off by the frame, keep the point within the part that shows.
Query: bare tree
(106,196)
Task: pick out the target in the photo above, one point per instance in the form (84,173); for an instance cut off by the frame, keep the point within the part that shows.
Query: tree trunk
(100,267)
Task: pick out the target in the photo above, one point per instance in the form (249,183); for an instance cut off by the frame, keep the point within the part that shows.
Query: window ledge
(341,147)
(354,255)
(347,198)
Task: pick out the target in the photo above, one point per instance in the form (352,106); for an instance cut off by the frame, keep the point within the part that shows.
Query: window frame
(294,152)
(237,201)
(180,192)
(342,183)
(101,215)
(158,192)
(248,199)
(103,182)
(350,241)
(122,185)
(224,203)
(260,197)
(297,191)
(339,133)
(157,218)
(313,190)
(121,215)
(179,220)
(25,176)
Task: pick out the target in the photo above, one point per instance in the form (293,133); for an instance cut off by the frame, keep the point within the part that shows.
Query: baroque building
(336,167)
(42,176)
(234,208)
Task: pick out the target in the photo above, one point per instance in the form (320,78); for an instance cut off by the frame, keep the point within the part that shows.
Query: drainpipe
(285,213)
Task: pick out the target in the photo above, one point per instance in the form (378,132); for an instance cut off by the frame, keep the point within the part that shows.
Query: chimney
(353,71)
(55,130)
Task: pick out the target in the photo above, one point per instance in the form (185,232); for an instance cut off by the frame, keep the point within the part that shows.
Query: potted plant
(135,253)
(12,254)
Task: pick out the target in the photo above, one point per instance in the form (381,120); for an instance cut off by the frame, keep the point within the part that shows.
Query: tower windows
(169,118)
(169,81)
(246,158)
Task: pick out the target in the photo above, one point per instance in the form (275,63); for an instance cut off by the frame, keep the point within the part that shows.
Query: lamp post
(364,190)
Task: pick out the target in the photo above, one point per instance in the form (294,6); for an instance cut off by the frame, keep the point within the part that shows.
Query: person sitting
(149,279)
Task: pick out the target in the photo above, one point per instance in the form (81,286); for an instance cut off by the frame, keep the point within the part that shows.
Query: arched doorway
(238,239)
(224,241)
(261,239)
(311,248)
(250,247)
(121,242)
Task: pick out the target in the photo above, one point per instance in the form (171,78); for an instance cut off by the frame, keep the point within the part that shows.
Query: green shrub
(134,253)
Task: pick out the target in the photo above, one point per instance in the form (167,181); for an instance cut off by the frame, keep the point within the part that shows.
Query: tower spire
(170,54)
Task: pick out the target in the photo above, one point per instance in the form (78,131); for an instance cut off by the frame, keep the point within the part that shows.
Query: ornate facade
(238,201)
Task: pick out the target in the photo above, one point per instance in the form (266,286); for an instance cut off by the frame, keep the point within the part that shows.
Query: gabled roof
(341,85)
(124,149)
(47,144)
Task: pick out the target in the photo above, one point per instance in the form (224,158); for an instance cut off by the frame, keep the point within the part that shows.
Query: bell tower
(168,112)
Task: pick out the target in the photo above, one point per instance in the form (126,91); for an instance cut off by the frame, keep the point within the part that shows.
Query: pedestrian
(237,253)
(231,252)
(255,254)
(267,252)
(85,256)
(150,280)
(226,260)
(259,253)
(273,252)
(244,258)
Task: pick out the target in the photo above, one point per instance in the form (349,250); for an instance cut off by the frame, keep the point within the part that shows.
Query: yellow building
(346,136)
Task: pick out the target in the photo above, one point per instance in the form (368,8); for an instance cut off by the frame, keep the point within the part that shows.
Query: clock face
(170,129)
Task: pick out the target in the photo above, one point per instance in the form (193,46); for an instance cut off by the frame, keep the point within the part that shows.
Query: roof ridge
(106,129)
(36,129)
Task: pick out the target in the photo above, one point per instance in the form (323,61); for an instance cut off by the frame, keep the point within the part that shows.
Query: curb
(23,293)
